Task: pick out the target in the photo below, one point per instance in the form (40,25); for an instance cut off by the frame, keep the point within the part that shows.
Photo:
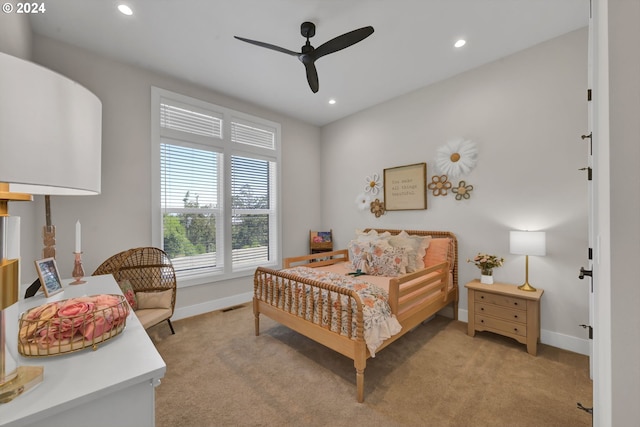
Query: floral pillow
(129,294)
(359,255)
(386,260)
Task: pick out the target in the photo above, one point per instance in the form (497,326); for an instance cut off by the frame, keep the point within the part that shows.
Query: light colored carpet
(220,374)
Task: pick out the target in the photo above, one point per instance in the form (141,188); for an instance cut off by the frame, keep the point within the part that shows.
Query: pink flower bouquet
(72,324)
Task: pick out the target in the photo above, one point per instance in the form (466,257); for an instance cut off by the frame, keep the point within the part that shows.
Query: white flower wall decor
(457,157)
(363,201)
(373,184)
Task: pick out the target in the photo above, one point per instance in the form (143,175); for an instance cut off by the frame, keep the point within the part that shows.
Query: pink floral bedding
(379,322)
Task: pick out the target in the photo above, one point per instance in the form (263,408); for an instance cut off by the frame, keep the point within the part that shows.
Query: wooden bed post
(360,363)
(256,315)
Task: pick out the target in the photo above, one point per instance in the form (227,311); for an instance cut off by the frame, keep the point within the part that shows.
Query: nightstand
(506,310)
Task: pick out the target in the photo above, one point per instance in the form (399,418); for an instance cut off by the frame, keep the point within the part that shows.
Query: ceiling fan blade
(343,41)
(312,76)
(268,46)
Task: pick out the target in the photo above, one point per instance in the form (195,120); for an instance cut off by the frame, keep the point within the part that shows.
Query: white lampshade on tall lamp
(50,144)
(527,243)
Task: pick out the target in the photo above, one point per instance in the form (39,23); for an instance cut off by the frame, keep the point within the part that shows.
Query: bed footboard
(328,314)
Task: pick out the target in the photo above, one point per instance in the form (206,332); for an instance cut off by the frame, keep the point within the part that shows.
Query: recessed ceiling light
(460,43)
(124,9)
(332,101)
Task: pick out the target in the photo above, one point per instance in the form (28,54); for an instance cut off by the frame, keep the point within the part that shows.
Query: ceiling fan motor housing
(308,29)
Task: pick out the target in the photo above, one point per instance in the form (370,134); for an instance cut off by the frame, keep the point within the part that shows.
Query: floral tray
(69,325)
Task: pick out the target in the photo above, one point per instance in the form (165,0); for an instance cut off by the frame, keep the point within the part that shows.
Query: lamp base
(527,287)
(27,378)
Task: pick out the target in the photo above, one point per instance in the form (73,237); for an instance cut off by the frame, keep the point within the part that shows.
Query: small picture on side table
(49,276)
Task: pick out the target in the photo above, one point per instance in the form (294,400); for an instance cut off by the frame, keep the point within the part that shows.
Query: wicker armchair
(149,270)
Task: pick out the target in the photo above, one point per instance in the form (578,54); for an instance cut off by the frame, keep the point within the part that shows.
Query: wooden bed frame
(275,295)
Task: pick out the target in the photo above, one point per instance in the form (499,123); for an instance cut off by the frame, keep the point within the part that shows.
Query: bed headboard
(453,244)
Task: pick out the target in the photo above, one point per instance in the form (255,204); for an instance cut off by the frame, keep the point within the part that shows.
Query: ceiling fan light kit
(308,54)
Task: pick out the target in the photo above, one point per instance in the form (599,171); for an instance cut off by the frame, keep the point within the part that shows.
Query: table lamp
(50,144)
(527,243)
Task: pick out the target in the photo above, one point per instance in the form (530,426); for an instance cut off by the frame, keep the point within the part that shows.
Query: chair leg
(171,326)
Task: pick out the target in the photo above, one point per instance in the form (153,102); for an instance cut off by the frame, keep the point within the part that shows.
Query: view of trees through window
(193,232)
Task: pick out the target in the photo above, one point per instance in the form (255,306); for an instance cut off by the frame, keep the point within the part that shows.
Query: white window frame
(228,149)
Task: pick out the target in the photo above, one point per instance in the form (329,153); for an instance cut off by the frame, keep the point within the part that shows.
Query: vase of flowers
(486,263)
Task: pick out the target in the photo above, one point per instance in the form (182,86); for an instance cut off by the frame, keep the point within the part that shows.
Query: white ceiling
(412,45)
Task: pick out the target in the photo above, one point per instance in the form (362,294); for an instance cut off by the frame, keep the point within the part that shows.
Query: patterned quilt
(379,322)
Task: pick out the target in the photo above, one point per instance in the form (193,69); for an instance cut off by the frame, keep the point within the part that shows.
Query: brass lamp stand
(526,286)
(14,380)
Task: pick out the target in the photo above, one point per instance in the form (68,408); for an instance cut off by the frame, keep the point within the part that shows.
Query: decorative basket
(70,325)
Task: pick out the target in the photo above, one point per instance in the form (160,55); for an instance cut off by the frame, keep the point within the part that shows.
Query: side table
(504,309)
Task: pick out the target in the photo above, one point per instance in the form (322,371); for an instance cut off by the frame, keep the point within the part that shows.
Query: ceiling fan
(309,54)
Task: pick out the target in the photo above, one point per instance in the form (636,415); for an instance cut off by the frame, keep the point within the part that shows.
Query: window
(216,204)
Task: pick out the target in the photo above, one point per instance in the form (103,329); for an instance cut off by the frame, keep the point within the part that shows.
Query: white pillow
(423,245)
(415,247)
(371,235)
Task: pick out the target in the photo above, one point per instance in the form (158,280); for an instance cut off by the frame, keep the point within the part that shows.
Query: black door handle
(584,272)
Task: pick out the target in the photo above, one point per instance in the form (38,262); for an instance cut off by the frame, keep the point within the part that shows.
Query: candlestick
(78,271)
(78,238)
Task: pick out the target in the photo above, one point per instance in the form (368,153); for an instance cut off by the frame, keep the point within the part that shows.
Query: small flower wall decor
(457,157)
(373,184)
(463,191)
(377,208)
(439,185)
(363,201)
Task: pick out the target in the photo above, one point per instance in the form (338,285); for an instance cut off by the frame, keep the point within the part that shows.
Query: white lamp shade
(528,243)
(50,131)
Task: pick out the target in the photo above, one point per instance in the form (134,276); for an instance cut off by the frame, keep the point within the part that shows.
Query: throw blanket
(379,322)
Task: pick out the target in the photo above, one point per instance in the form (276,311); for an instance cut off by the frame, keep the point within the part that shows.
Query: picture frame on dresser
(50,280)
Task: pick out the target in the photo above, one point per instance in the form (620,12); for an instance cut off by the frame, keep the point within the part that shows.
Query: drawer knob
(481,296)
(481,308)
(515,316)
(515,329)
(515,303)
(481,321)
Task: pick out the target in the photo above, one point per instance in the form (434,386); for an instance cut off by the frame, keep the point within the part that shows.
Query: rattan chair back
(148,269)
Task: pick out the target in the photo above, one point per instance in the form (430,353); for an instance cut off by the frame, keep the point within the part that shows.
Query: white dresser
(112,386)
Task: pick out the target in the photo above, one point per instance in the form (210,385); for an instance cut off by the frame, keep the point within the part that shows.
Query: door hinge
(588,94)
(589,172)
(590,137)
(587,410)
(590,330)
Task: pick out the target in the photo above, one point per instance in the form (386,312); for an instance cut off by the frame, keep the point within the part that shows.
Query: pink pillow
(437,252)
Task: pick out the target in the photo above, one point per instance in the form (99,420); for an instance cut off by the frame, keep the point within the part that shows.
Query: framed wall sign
(49,276)
(405,187)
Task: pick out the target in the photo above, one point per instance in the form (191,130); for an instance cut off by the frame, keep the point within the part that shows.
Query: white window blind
(186,120)
(192,175)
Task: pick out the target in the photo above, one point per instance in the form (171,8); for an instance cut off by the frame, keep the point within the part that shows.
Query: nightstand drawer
(501,312)
(500,325)
(502,300)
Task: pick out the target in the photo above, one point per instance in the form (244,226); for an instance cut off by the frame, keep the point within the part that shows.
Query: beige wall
(526,112)
(15,35)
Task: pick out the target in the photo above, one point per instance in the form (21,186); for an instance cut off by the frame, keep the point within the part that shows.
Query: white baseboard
(554,339)
(206,307)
